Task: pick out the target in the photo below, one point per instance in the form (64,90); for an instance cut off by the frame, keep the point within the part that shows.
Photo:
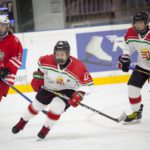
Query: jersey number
(86,76)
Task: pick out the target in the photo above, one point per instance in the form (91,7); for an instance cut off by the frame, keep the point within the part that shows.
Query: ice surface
(79,128)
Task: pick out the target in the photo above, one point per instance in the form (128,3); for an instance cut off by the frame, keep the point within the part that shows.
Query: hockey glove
(124,62)
(76,98)
(4,72)
(37,81)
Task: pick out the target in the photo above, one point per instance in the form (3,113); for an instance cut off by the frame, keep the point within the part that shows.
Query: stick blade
(122,117)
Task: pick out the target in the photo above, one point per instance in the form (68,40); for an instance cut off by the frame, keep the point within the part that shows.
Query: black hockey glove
(3,72)
(124,62)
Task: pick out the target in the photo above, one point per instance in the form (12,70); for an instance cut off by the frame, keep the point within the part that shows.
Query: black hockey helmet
(141,16)
(62,46)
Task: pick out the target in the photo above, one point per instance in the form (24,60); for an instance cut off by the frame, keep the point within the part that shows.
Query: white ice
(79,128)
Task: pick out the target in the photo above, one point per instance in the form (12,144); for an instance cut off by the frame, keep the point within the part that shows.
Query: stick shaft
(83,105)
(24,96)
(17,90)
(132,68)
(98,112)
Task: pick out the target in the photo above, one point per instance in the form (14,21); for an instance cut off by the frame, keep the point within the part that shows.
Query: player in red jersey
(58,72)
(10,55)
(137,40)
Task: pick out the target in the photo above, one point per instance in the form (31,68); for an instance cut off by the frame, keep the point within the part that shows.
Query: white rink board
(42,43)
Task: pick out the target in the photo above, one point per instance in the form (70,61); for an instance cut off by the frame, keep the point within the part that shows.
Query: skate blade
(132,122)
(39,140)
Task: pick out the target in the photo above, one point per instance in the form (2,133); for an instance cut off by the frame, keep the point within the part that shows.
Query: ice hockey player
(10,55)
(58,72)
(137,39)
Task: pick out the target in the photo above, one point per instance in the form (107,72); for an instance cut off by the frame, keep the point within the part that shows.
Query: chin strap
(3,35)
(143,32)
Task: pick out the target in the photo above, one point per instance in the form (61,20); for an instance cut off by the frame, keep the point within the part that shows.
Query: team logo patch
(145,53)
(60,80)
(2,55)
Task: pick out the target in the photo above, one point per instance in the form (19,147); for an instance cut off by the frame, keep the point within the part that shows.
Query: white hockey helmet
(4,20)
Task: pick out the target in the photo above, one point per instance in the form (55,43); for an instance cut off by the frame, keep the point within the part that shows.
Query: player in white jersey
(137,39)
(57,72)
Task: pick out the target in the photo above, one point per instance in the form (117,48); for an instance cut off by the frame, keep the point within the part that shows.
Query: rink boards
(97,47)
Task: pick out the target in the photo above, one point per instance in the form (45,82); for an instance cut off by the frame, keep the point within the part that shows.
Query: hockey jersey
(75,76)
(10,55)
(134,42)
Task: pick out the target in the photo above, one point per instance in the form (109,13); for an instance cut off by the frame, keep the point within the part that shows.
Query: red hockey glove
(76,98)
(124,62)
(37,81)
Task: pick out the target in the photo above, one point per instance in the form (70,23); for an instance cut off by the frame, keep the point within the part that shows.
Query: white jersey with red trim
(75,76)
(134,42)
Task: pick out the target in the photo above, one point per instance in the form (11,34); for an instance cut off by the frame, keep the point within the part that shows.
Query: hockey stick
(132,68)
(44,111)
(121,118)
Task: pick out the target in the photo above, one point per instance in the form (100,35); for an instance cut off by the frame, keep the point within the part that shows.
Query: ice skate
(43,132)
(94,49)
(19,126)
(135,117)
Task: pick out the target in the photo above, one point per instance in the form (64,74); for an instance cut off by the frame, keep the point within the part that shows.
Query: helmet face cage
(141,16)
(62,46)
(4,20)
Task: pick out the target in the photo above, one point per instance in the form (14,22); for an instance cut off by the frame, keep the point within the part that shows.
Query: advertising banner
(100,50)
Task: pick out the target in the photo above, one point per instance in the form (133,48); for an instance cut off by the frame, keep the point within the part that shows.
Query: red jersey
(10,56)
